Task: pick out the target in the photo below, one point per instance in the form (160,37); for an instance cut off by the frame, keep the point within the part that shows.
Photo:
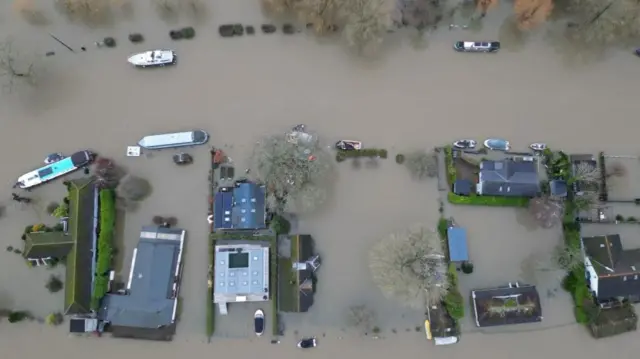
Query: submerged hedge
(105,246)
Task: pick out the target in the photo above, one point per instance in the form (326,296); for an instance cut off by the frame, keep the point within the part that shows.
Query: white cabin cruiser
(153,58)
(538,146)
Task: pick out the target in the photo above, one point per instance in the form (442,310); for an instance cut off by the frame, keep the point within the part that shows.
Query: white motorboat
(538,146)
(153,58)
(258,322)
(465,144)
(349,145)
(56,169)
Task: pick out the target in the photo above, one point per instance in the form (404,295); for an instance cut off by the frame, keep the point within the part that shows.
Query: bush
(451,169)
(51,207)
(280,225)
(632,219)
(61,211)
(54,284)
(18,316)
(495,201)
(467,267)
(365,152)
(454,304)
(105,246)
(188,32)
(175,35)
(109,42)
(399,159)
(443,226)
(54,319)
(340,157)
(135,38)
(619,218)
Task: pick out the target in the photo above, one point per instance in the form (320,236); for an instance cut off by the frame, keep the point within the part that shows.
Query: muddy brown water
(239,89)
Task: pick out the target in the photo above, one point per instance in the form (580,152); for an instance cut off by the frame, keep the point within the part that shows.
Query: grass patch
(273,277)
(493,201)
(105,246)
(70,277)
(287,289)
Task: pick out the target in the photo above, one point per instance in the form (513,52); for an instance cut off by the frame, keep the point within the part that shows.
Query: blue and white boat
(56,169)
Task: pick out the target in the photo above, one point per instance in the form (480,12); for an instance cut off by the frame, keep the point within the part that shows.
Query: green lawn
(494,201)
(287,299)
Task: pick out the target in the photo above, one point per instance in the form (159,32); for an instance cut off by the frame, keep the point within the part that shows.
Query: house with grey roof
(508,178)
(241,272)
(146,308)
(613,272)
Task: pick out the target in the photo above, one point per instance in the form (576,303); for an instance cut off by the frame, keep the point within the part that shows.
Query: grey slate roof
(150,300)
(508,178)
(617,269)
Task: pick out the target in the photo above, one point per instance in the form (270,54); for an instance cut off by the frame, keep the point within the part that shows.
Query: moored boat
(258,322)
(538,146)
(349,145)
(465,144)
(497,144)
(153,58)
(56,169)
(175,139)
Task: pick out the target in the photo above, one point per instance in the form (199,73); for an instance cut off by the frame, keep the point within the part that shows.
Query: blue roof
(457,238)
(223,204)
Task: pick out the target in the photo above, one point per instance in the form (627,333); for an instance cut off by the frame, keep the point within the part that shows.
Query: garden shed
(457,243)
(462,187)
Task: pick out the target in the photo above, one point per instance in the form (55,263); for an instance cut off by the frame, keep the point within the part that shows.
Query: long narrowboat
(56,169)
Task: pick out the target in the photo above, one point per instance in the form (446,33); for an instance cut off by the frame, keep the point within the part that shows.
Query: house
(147,307)
(508,178)
(241,272)
(513,304)
(612,272)
(76,246)
(242,207)
(299,280)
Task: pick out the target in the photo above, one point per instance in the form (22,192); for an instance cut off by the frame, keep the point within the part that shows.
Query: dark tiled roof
(306,278)
(525,297)
(47,244)
(149,304)
(509,178)
(618,269)
(82,228)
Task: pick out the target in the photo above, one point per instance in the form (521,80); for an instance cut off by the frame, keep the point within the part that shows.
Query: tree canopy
(410,266)
(298,176)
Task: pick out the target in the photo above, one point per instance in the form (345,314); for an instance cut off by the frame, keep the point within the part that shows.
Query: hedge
(365,152)
(497,201)
(451,168)
(105,246)
(210,317)
(453,301)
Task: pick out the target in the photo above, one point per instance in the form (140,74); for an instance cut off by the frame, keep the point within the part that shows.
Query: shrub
(619,218)
(54,319)
(54,284)
(61,211)
(280,225)
(467,267)
(18,316)
(109,42)
(632,219)
(135,38)
(105,246)
(9,249)
(51,207)
(175,35)
(454,304)
(365,152)
(451,169)
(37,228)
(496,201)
(340,157)
(188,32)
(399,159)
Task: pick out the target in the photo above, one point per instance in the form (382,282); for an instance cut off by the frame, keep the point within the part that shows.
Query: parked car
(470,46)
(497,144)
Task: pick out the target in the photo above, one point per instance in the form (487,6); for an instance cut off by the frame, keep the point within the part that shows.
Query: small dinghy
(349,145)
(538,146)
(258,322)
(153,58)
(465,144)
(54,157)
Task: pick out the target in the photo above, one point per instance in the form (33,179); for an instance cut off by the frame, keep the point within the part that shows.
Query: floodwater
(239,89)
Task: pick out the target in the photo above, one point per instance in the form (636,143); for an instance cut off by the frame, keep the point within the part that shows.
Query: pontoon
(54,170)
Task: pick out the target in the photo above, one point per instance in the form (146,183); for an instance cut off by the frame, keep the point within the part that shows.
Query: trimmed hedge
(210,316)
(105,246)
(451,168)
(453,301)
(495,201)
(365,152)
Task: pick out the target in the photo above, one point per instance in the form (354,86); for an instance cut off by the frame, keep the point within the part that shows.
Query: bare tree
(366,23)
(420,14)
(361,318)
(585,201)
(17,70)
(132,188)
(106,173)
(297,174)
(586,172)
(31,12)
(421,164)
(616,169)
(410,266)
(90,12)
(168,10)
(546,211)
(321,14)
(278,7)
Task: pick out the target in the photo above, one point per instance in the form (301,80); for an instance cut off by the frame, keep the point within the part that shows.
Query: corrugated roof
(457,239)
